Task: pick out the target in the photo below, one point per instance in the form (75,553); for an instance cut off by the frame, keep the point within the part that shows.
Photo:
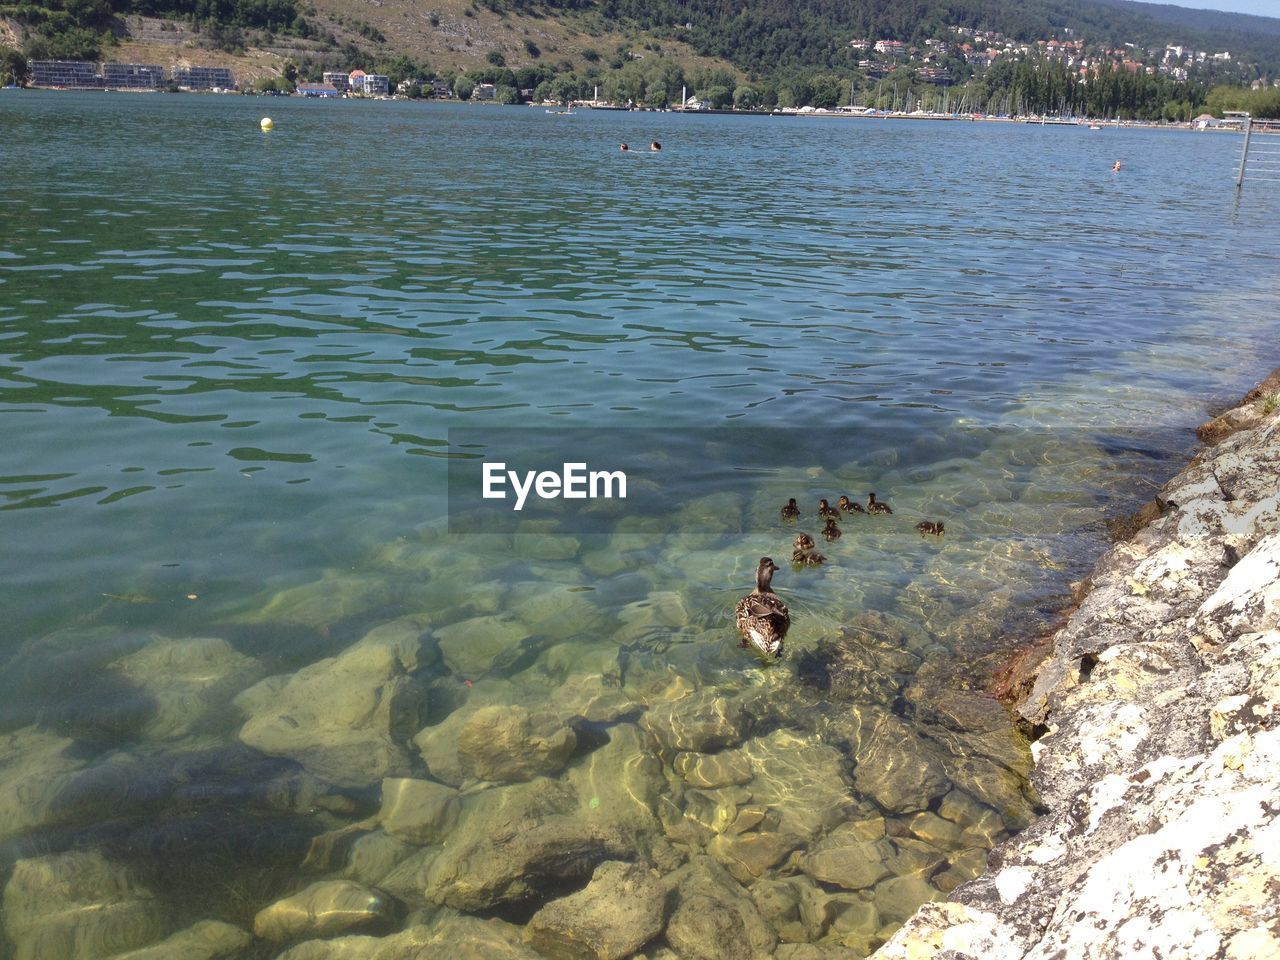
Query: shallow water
(231,365)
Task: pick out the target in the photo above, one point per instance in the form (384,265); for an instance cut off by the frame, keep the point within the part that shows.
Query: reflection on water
(259,688)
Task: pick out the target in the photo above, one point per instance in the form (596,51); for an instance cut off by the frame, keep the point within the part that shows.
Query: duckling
(831,531)
(761,616)
(804,555)
(848,506)
(826,511)
(790,511)
(934,527)
(877,506)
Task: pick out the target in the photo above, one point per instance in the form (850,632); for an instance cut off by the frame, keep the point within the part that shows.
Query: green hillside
(1107,57)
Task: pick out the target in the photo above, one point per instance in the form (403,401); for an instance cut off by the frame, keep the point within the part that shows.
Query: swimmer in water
(624,148)
(1115,167)
(655,146)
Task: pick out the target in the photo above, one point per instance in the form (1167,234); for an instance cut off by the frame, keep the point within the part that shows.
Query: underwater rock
(324,602)
(851,864)
(709,770)
(471,647)
(521,843)
(514,844)
(802,779)
(206,940)
(34,768)
(591,697)
(702,722)
(563,611)
(541,540)
(508,744)
(457,938)
(409,637)
(323,909)
(373,856)
(189,682)
(651,619)
(714,918)
(345,718)
(898,768)
(617,913)
(898,897)
(817,951)
(417,811)
(78,906)
(749,855)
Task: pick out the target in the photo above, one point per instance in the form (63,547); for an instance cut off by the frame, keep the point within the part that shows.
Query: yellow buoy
(267,123)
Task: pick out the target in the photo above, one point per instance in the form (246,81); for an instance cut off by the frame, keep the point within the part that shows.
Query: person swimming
(624,148)
(655,146)
(1115,167)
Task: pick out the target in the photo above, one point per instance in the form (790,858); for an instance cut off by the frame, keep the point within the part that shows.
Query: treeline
(1261,104)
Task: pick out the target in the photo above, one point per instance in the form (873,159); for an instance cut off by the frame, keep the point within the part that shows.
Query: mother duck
(761,615)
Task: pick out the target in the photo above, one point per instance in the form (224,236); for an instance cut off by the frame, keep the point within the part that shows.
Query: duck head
(764,574)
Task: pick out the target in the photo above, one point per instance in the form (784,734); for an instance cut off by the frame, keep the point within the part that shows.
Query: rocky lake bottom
(555,737)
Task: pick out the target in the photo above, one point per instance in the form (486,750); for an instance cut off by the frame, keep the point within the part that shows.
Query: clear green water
(230,362)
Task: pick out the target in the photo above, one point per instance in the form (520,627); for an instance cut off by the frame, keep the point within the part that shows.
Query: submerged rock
(324,602)
(471,647)
(515,844)
(322,910)
(418,811)
(458,938)
(189,682)
(898,768)
(78,906)
(35,766)
(206,940)
(345,718)
(702,722)
(616,914)
(714,918)
(508,743)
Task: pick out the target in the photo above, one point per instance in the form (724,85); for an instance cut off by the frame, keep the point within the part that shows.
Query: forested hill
(1209,21)
(763,35)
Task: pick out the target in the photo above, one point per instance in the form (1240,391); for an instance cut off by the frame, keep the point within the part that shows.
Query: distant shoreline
(1260,126)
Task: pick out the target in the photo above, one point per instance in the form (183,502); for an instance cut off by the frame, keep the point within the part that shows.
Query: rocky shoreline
(1159,759)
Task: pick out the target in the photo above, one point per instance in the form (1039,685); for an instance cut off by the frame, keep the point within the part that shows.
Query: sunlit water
(230,363)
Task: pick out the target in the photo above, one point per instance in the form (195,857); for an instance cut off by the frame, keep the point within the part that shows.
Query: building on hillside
(441,88)
(376,84)
(132,76)
(318,90)
(355,81)
(73,74)
(484,91)
(338,78)
(203,78)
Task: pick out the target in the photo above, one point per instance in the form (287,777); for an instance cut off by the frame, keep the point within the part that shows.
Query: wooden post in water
(1244,153)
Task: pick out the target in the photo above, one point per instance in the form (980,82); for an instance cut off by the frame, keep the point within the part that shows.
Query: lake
(263,631)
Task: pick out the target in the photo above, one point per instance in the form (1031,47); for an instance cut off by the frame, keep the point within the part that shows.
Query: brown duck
(790,511)
(827,512)
(831,532)
(761,616)
(931,527)
(849,506)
